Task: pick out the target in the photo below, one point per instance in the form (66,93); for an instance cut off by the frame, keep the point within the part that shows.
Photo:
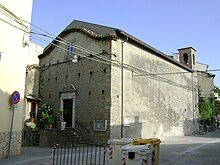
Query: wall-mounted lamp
(74,60)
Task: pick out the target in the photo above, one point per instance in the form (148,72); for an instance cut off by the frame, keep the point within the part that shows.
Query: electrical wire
(213,70)
(88,57)
(12,16)
(12,25)
(37,31)
(126,66)
(59,40)
(62,41)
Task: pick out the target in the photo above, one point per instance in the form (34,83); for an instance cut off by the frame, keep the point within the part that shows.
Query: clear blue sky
(164,24)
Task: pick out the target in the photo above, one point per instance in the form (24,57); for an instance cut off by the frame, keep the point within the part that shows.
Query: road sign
(15,97)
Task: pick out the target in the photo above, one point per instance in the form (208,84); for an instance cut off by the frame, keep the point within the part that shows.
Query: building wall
(116,92)
(34,51)
(32,79)
(201,67)
(90,78)
(205,84)
(12,72)
(154,105)
(31,88)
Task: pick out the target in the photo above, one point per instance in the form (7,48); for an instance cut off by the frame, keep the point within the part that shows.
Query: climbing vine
(206,109)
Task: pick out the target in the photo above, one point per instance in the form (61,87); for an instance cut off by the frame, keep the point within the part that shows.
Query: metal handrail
(82,130)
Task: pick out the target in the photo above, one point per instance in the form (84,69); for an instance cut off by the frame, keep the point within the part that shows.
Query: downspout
(122,85)
(193,98)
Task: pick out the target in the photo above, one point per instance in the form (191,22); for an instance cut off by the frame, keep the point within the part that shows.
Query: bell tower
(187,57)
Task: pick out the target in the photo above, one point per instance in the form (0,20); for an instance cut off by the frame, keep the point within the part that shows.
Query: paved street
(193,150)
(188,150)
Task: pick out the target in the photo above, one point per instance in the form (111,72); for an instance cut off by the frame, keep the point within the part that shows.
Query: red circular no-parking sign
(15,97)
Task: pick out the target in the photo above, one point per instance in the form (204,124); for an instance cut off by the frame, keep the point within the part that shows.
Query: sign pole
(10,134)
(15,98)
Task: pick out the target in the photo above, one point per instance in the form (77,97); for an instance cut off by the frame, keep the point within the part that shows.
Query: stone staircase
(69,135)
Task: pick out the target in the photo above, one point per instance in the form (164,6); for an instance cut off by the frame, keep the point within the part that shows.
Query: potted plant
(46,115)
(60,123)
(48,120)
(32,114)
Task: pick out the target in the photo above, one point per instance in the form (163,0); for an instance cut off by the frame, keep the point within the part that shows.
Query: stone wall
(91,79)
(206,84)
(15,148)
(155,104)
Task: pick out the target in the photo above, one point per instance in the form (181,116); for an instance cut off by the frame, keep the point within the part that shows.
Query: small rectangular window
(70,49)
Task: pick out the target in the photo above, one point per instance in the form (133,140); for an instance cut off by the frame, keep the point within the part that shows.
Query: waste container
(156,147)
(137,154)
(115,153)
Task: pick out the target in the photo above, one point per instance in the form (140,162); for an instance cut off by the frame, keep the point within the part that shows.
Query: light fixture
(74,60)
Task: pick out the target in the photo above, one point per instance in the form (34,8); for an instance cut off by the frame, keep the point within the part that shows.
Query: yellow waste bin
(156,147)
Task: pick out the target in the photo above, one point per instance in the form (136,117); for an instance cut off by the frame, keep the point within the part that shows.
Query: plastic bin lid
(141,149)
(122,141)
(153,141)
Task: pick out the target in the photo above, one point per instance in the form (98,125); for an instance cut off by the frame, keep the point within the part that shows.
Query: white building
(13,60)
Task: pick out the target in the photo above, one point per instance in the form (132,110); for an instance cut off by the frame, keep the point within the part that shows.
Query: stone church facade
(115,85)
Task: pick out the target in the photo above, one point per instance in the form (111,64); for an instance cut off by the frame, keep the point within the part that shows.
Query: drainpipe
(122,86)
(193,98)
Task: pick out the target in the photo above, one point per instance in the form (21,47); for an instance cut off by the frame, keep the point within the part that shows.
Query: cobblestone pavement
(183,150)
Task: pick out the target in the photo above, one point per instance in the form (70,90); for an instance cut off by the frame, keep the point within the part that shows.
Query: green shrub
(206,111)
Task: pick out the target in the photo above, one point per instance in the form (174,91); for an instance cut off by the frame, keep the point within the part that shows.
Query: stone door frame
(69,95)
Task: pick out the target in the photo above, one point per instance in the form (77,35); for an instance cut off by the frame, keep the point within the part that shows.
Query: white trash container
(115,153)
(137,154)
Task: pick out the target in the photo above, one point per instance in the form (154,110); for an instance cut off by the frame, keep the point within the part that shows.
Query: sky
(167,25)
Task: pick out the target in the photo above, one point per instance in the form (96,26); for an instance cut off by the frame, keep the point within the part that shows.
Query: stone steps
(48,137)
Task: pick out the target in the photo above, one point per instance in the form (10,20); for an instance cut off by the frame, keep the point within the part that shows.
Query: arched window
(186,58)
